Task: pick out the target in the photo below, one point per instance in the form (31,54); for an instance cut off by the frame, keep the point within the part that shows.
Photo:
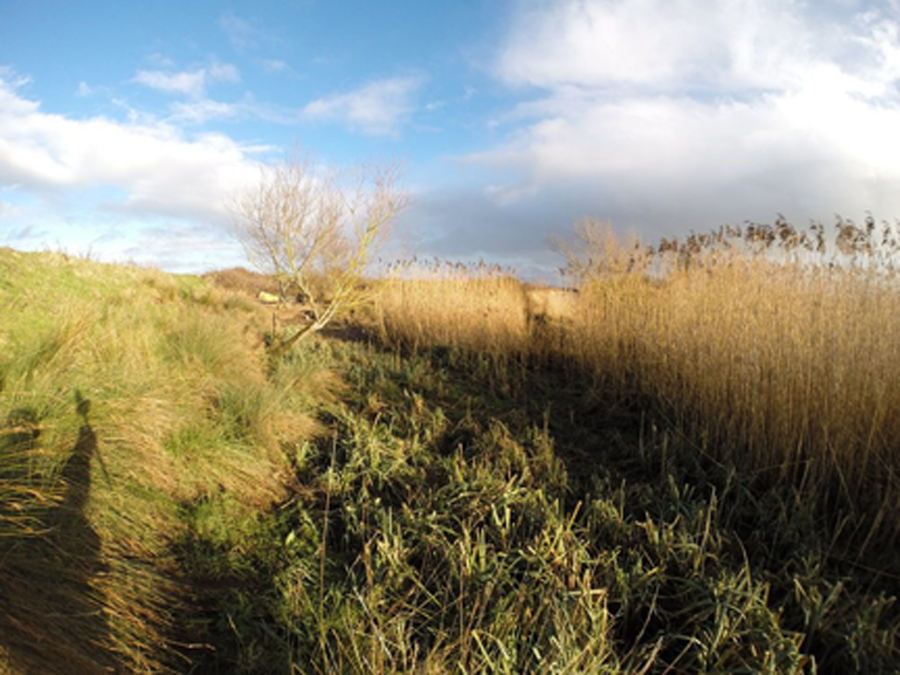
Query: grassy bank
(126,394)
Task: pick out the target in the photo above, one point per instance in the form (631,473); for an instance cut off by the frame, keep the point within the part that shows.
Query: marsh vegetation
(687,462)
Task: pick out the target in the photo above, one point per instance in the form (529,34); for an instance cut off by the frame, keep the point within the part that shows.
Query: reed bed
(791,374)
(772,349)
(768,348)
(477,307)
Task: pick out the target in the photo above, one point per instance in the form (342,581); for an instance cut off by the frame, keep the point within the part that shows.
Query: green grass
(126,393)
(171,501)
(444,524)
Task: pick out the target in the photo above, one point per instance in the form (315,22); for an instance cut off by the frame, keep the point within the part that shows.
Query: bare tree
(596,251)
(316,233)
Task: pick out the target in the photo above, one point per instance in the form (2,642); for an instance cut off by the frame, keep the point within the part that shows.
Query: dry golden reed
(771,367)
(472,306)
(784,368)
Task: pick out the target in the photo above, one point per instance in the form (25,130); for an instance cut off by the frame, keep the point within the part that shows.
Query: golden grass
(551,304)
(788,371)
(476,307)
(125,394)
(777,369)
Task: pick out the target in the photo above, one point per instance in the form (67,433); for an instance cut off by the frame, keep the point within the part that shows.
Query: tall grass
(771,349)
(126,394)
(780,363)
(477,307)
(789,372)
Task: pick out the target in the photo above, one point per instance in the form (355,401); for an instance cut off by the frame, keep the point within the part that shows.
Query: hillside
(128,396)
(171,501)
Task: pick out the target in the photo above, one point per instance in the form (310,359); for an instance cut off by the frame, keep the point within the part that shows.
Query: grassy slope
(454,513)
(126,394)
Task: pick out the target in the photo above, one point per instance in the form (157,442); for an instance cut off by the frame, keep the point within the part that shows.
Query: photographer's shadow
(54,617)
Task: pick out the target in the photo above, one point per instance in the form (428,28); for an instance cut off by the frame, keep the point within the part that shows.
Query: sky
(127,128)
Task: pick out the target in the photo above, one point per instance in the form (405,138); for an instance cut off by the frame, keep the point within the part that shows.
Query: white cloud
(274,65)
(378,108)
(83,89)
(244,34)
(729,160)
(134,115)
(13,80)
(153,168)
(168,242)
(671,115)
(202,111)
(223,72)
(732,45)
(191,83)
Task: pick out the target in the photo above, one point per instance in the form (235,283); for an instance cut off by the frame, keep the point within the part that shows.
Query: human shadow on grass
(53,619)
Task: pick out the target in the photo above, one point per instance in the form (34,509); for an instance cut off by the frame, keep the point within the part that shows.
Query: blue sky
(126,127)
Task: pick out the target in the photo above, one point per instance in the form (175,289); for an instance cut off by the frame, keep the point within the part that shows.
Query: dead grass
(477,307)
(768,359)
(781,371)
(551,304)
(787,369)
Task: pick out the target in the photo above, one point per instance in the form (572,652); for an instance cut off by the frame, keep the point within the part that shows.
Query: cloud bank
(665,116)
(142,172)
(191,83)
